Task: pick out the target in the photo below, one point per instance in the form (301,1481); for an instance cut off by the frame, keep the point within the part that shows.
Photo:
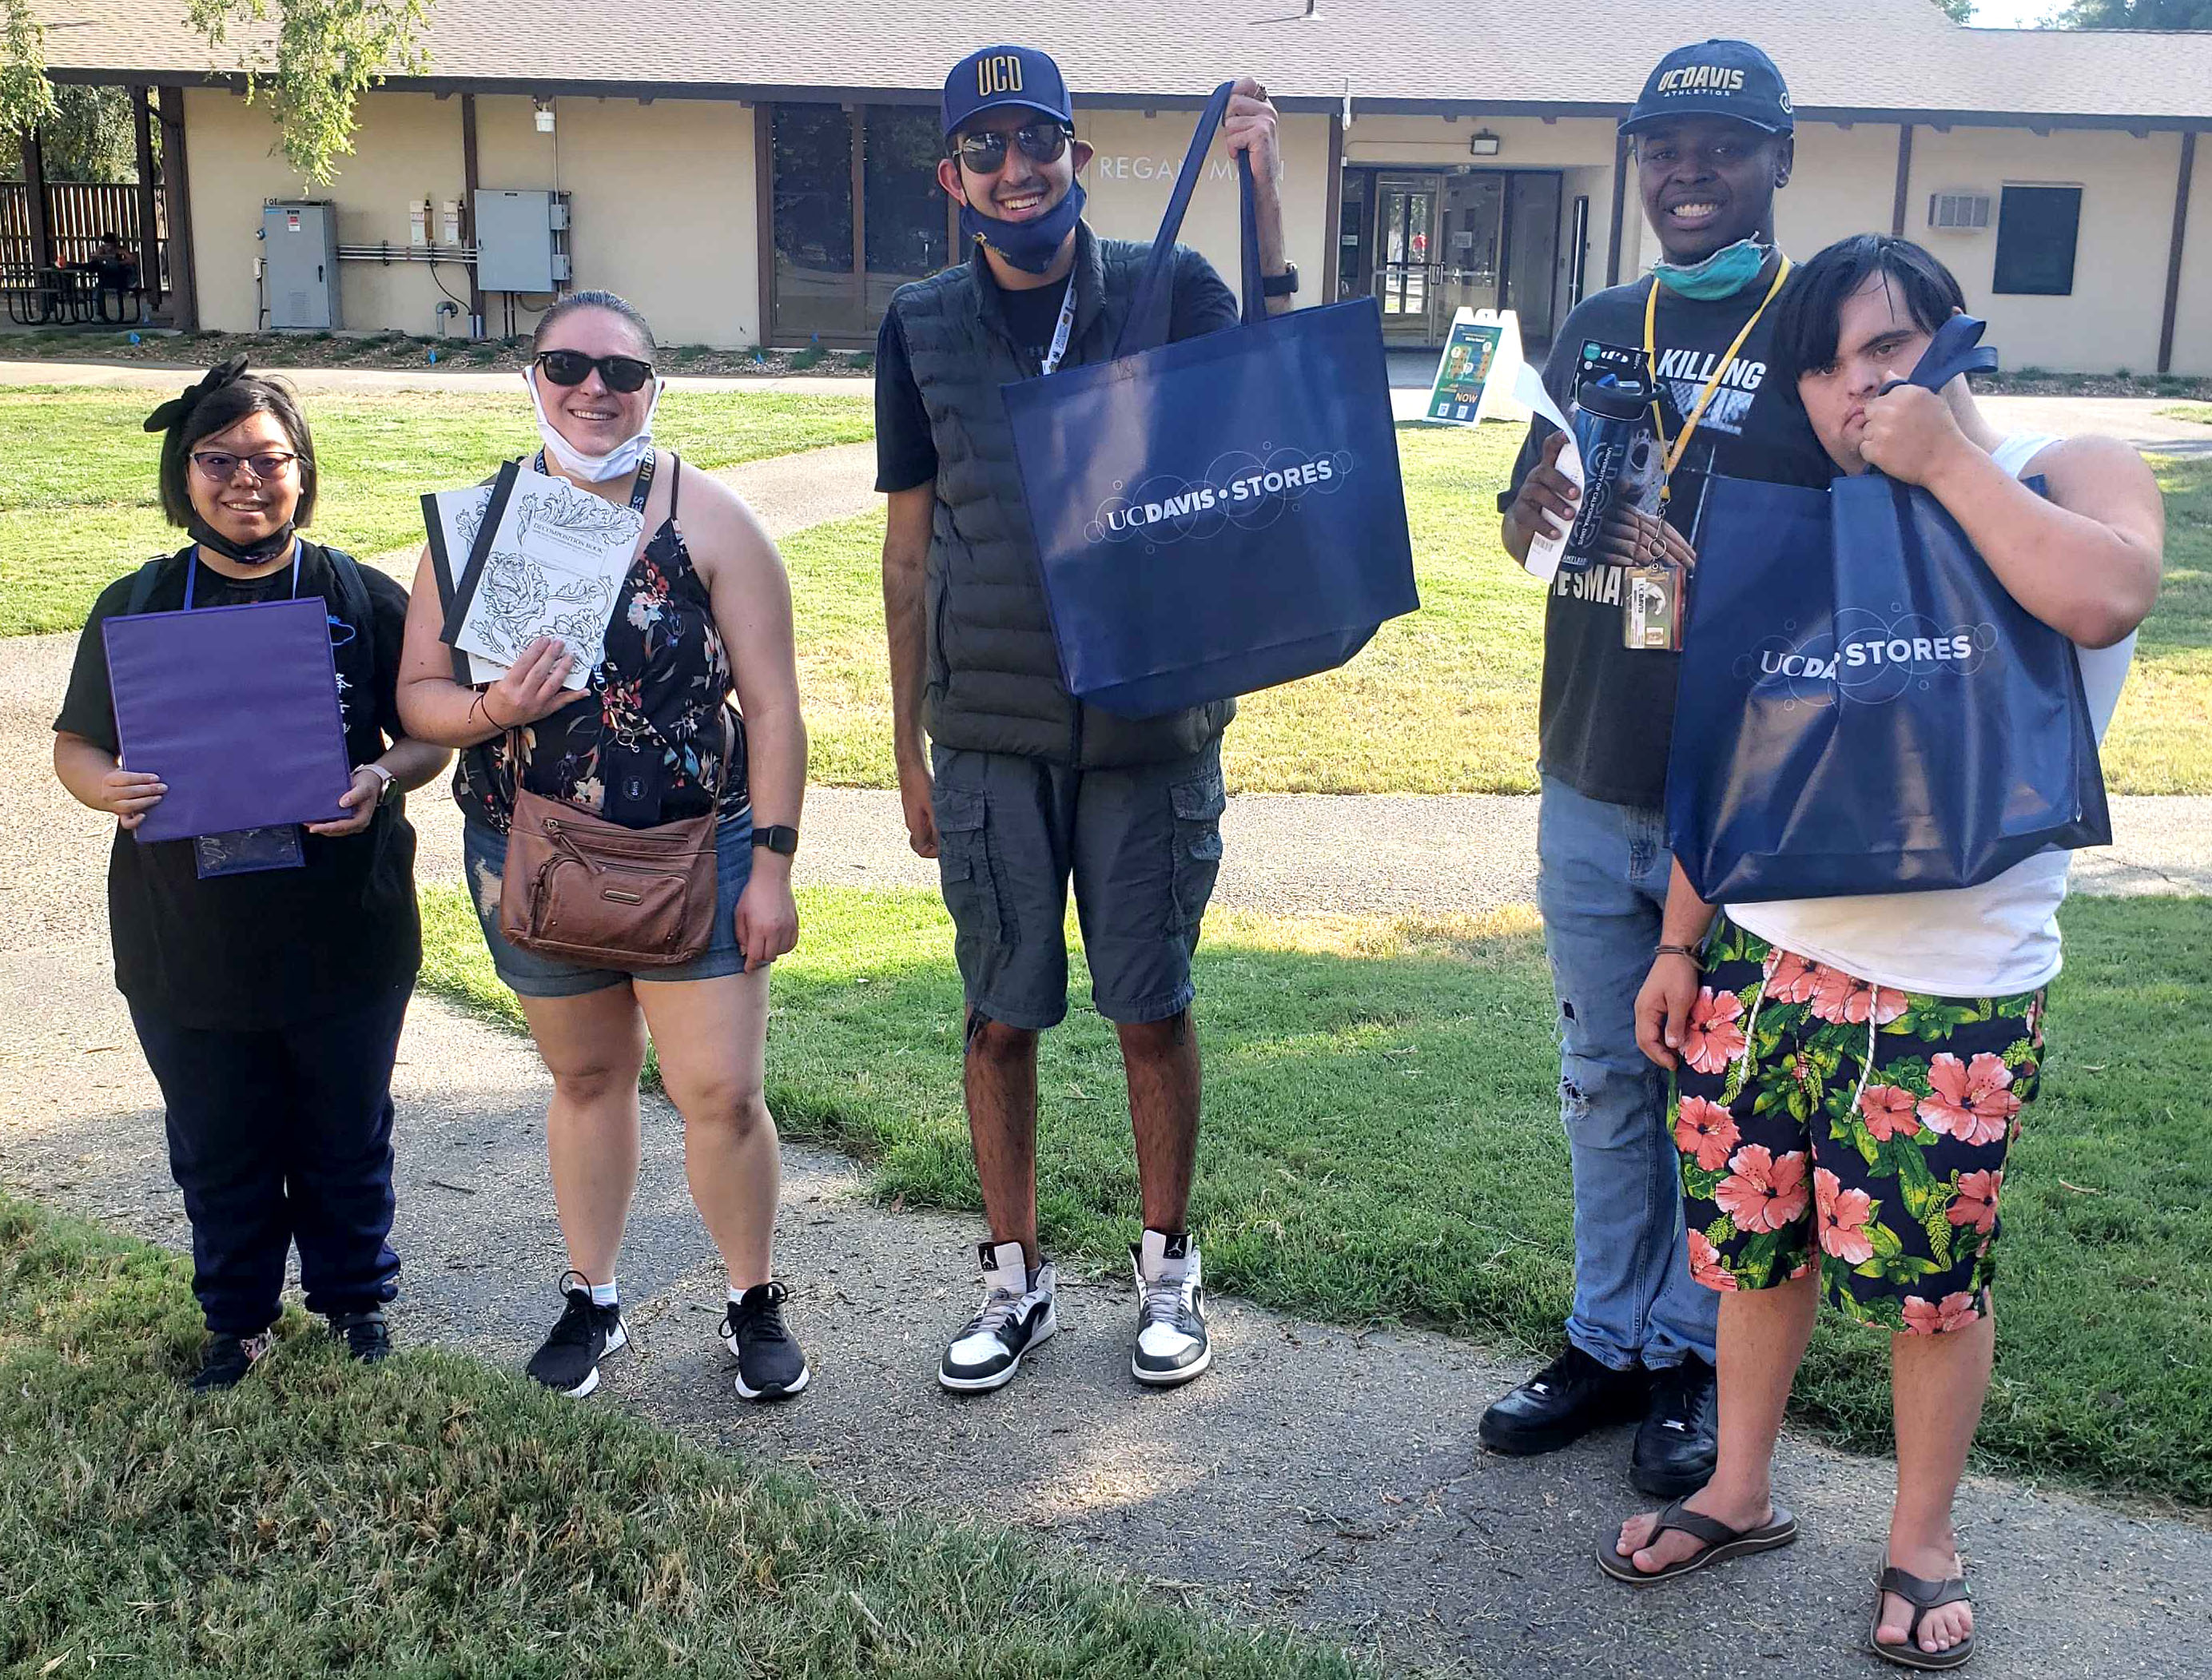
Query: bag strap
(143,585)
(1157,266)
(1956,349)
(353,588)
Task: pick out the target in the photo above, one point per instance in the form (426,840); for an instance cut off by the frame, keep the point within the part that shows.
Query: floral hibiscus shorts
(1824,1118)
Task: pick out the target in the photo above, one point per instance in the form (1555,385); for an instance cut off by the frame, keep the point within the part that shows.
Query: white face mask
(593,469)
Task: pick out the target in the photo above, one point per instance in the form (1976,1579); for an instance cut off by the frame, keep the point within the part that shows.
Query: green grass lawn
(435,1516)
(79,503)
(1382,1141)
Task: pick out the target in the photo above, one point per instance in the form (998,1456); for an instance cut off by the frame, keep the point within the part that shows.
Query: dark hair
(218,411)
(1811,312)
(613,305)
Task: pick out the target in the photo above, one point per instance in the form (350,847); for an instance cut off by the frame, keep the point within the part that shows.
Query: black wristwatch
(779,837)
(1280,285)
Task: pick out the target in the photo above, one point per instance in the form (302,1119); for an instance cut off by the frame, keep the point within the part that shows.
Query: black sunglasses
(624,373)
(985,152)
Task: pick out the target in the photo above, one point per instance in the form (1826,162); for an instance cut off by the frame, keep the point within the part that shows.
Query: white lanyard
(1059,334)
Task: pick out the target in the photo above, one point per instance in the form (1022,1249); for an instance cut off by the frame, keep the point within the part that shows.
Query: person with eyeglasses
(1005,779)
(267,971)
(653,736)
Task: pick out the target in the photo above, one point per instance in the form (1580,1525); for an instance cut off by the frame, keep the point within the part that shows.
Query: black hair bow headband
(178,409)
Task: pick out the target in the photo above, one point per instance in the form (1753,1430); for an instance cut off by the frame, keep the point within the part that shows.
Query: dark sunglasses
(986,152)
(220,468)
(624,373)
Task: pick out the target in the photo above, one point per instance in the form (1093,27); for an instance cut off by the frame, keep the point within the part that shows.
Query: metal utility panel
(520,240)
(300,248)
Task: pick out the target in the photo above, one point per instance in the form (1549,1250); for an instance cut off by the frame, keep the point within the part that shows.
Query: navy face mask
(1029,245)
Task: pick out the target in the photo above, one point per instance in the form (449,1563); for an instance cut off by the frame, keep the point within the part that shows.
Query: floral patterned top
(662,701)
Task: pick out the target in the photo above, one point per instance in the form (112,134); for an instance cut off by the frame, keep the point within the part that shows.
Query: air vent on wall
(1958,212)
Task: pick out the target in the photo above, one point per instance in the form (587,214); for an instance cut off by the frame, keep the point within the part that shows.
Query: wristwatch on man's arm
(779,837)
(1280,285)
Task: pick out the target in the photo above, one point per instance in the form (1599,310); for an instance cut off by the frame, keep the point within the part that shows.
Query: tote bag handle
(1137,327)
(1956,349)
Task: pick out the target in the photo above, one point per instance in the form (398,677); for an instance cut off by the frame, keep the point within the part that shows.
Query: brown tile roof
(1873,56)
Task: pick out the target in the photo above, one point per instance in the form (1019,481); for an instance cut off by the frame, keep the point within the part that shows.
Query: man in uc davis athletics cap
(1674,368)
(1006,778)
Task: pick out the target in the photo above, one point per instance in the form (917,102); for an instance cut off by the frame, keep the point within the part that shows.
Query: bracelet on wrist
(1678,951)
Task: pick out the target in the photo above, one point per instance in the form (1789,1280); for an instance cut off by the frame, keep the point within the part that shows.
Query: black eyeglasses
(985,152)
(220,468)
(624,373)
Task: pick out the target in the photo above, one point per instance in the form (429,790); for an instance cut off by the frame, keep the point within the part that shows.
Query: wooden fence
(77,214)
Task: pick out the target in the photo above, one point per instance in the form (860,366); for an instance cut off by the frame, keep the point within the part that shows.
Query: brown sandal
(1923,1595)
(1721,1542)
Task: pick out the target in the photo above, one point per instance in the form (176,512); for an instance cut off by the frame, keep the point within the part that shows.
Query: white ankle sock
(602,1294)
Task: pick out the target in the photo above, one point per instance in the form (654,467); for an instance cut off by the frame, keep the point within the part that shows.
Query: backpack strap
(143,585)
(353,589)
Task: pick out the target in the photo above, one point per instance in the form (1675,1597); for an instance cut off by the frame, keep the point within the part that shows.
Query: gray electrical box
(522,240)
(299,272)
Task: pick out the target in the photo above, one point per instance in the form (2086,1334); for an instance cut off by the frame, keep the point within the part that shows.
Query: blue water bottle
(1608,421)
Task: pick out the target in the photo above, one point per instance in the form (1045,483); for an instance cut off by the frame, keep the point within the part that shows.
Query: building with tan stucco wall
(764,174)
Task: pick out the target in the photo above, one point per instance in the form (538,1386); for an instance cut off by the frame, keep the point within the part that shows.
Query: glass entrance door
(1429,243)
(1406,267)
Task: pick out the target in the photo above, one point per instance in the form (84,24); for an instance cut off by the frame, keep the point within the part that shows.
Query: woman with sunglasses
(267,971)
(652,737)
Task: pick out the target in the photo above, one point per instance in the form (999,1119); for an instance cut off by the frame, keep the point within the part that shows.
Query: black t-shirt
(1608,710)
(906,453)
(233,953)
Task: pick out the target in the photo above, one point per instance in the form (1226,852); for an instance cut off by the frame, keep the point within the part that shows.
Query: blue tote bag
(1864,707)
(1221,514)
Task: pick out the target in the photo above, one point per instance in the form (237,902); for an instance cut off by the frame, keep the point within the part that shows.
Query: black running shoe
(770,1367)
(1016,1315)
(1677,1447)
(1561,1404)
(569,1363)
(368,1338)
(228,1359)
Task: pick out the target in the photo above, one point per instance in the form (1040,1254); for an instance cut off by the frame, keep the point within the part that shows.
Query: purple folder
(236,708)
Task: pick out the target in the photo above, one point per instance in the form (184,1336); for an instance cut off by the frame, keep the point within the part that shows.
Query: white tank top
(1991,940)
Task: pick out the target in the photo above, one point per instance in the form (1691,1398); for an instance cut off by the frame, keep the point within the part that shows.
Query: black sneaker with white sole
(227,1359)
(1016,1314)
(584,1335)
(770,1365)
(1172,1347)
(365,1335)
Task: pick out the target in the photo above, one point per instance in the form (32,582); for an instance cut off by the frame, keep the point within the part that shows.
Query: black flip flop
(1923,1595)
(1721,1542)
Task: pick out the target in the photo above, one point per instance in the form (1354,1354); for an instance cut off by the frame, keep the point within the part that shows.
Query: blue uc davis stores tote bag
(1221,514)
(1863,706)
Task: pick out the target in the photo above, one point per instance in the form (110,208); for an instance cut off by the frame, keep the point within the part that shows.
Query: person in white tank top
(1850,1072)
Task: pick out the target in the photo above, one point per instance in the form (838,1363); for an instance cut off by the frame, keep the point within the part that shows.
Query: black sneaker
(1016,1314)
(368,1338)
(1676,1446)
(1172,1342)
(583,1336)
(228,1359)
(769,1364)
(1561,1404)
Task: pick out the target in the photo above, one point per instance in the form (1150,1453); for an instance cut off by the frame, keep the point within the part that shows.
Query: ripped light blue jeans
(1601,884)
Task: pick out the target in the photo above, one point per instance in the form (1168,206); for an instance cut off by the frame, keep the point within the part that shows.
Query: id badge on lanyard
(1653,594)
(246,851)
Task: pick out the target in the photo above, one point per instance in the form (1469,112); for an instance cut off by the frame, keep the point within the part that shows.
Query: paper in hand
(553,564)
(1544,552)
(452,519)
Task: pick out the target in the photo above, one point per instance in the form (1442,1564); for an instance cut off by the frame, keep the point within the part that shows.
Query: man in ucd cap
(1685,350)
(1006,779)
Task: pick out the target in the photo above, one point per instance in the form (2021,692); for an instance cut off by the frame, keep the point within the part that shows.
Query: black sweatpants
(281,1135)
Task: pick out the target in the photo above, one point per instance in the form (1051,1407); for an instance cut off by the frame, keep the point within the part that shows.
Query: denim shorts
(531,974)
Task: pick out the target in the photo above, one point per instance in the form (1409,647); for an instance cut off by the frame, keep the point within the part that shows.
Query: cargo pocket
(973,890)
(1199,802)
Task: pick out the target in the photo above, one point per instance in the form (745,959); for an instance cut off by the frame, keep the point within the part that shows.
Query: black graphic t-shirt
(1607,711)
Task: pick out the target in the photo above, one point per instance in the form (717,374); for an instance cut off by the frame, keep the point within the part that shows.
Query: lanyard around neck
(192,571)
(1671,455)
(638,491)
(1060,333)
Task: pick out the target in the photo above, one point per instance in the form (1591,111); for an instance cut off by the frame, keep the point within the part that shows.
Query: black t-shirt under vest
(1607,711)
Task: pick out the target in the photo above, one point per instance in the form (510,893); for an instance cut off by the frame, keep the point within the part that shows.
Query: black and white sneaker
(1172,1342)
(228,1358)
(365,1335)
(770,1367)
(1016,1314)
(584,1335)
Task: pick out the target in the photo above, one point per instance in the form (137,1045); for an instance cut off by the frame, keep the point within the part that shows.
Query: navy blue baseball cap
(992,78)
(1715,78)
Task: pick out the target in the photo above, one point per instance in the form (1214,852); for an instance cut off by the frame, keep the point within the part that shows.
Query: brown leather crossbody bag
(584,890)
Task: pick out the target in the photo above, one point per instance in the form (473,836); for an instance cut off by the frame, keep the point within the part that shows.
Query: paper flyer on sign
(451,520)
(1543,560)
(553,565)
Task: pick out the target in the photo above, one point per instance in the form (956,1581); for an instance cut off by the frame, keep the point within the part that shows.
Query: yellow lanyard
(1672,453)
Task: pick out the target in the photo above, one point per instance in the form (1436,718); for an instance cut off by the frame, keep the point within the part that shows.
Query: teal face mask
(1723,274)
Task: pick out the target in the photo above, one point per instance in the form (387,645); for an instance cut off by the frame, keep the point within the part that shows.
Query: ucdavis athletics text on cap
(1714,78)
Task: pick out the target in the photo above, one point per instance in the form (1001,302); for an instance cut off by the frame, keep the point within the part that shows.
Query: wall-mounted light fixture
(543,116)
(1483,143)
